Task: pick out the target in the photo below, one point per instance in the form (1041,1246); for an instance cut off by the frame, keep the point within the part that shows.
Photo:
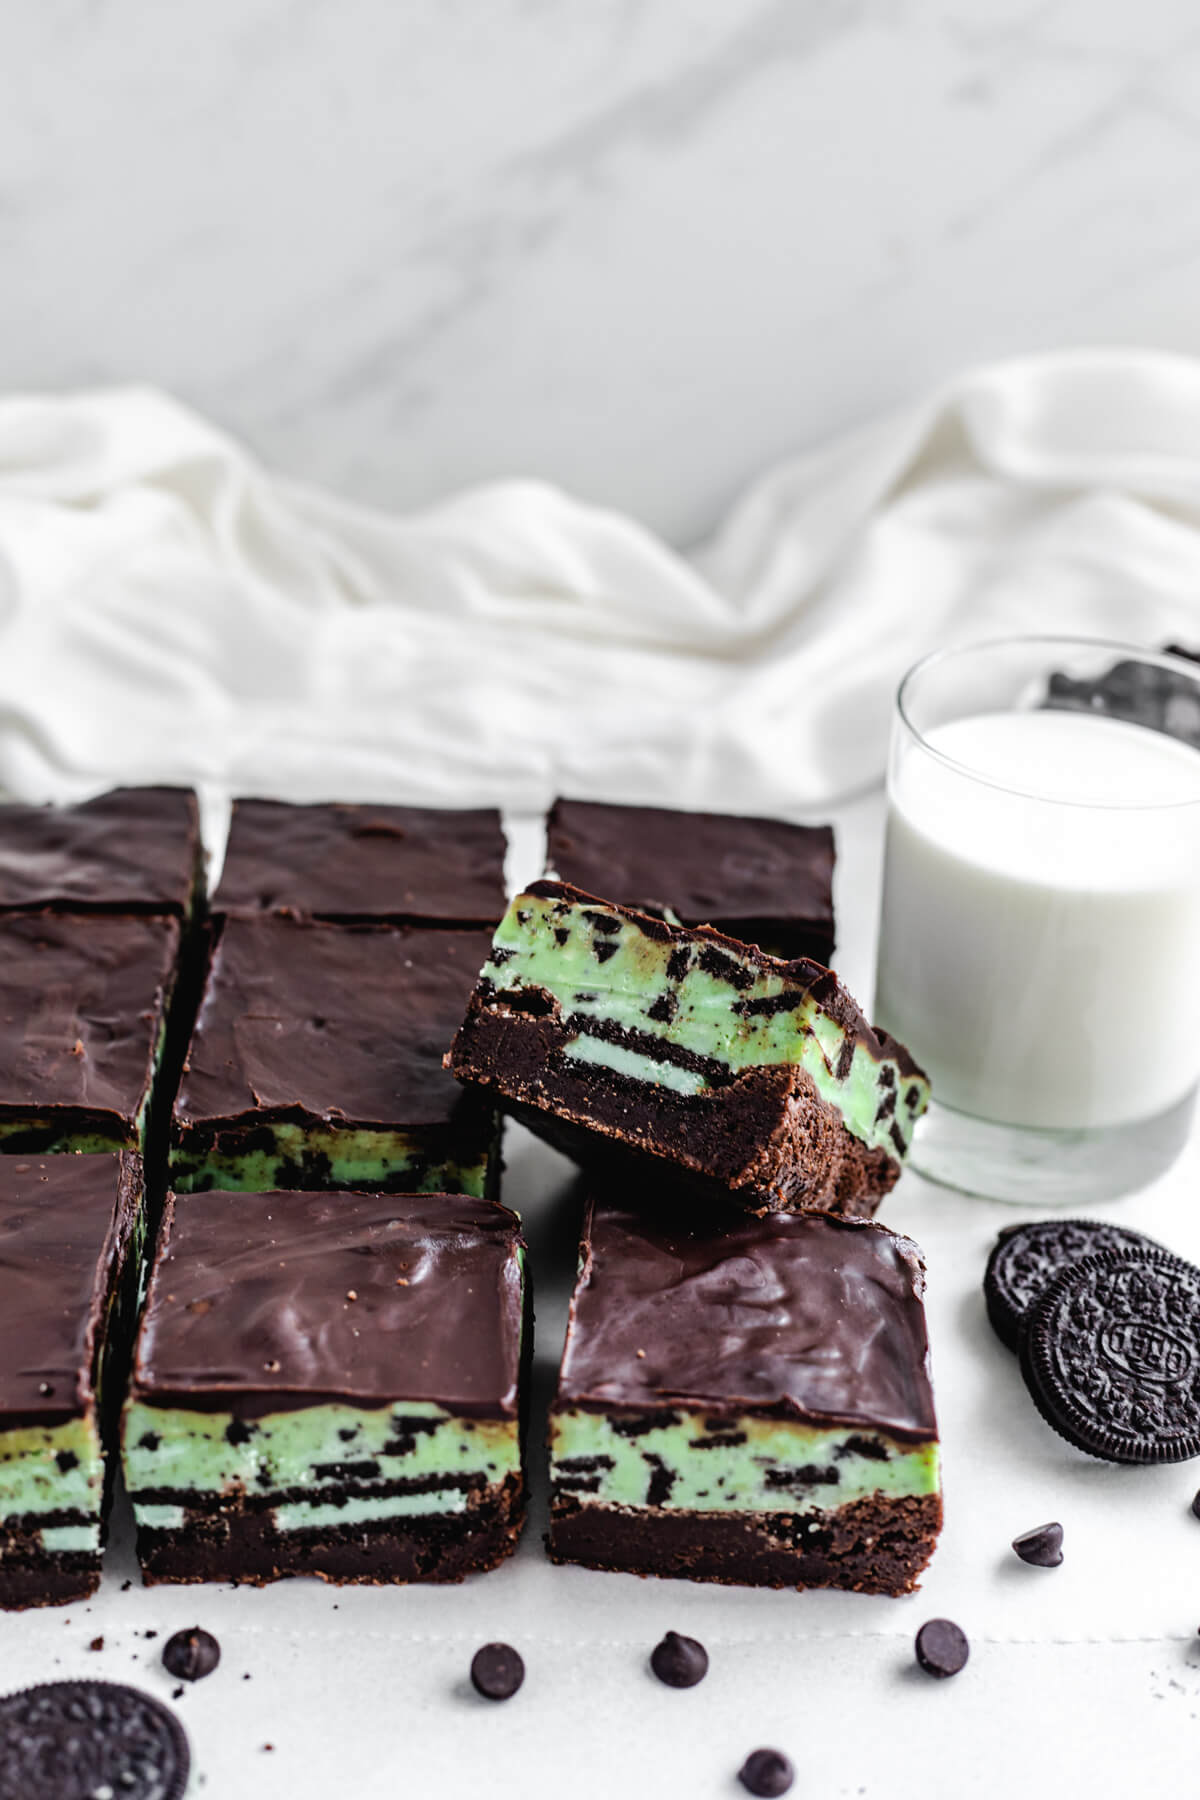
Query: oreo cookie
(77,1739)
(1111,1356)
(1027,1258)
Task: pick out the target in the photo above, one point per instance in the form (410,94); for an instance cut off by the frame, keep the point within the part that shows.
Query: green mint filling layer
(747,1464)
(599,965)
(190,1454)
(51,1468)
(346,1158)
(65,1539)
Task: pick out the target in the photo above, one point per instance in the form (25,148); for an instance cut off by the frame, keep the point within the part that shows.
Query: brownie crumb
(97,1643)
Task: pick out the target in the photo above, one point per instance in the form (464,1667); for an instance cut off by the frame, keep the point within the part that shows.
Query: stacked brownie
(744,1393)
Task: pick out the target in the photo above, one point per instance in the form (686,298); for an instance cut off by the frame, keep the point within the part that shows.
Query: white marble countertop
(640,250)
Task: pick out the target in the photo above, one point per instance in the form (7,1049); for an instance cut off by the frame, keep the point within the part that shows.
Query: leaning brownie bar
(83,1006)
(609,1031)
(70,1233)
(316,1062)
(134,850)
(746,1400)
(328,1384)
(761,881)
(403,864)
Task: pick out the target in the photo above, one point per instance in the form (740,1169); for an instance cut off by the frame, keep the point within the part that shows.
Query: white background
(641,250)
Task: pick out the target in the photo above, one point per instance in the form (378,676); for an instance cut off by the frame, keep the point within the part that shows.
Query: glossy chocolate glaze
(64,1225)
(250,1308)
(707,868)
(364,862)
(81,999)
(801,1315)
(133,850)
(336,1022)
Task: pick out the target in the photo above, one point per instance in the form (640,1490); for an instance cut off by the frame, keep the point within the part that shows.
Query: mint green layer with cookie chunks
(599,965)
(177,1459)
(345,1157)
(744,1464)
(52,1469)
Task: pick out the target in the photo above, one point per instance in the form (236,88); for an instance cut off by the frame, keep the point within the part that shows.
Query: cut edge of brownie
(877,1545)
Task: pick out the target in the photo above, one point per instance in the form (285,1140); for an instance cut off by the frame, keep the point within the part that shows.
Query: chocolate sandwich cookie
(1111,1356)
(1027,1258)
(76,1740)
(1141,693)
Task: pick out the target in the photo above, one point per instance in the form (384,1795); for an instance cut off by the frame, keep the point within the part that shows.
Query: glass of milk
(1039,946)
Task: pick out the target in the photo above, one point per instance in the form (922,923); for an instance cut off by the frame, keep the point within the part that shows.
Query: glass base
(1032,1167)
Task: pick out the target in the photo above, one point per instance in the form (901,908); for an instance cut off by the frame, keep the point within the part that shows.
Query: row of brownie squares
(317,1058)
(337,1385)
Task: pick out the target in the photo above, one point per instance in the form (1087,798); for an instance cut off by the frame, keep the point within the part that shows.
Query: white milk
(1041,957)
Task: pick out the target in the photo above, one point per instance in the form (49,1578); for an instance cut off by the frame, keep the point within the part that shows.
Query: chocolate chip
(679,1662)
(1042,1546)
(942,1648)
(190,1655)
(766,1772)
(97,1643)
(1196,1504)
(497,1671)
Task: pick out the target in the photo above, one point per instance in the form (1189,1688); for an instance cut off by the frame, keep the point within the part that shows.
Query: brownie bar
(70,1236)
(608,1031)
(330,1385)
(316,1062)
(746,1400)
(83,1007)
(134,850)
(761,881)
(403,864)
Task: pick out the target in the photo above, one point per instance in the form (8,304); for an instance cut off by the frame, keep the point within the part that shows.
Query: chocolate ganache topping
(801,1315)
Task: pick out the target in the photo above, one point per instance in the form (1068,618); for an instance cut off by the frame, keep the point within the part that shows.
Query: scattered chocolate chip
(942,1648)
(1111,1355)
(766,1772)
(497,1671)
(177,1693)
(97,1643)
(91,1737)
(1027,1258)
(1042,1546)
(125,1586)
(190,1655)
(1196,1504)
(679,1662)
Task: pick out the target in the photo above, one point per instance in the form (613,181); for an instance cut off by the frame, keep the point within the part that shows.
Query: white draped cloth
(171,610)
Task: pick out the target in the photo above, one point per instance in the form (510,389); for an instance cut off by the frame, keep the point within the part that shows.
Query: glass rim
(1110,646)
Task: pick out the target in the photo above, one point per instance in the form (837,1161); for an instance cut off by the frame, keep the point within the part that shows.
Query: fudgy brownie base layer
(873,1546)
(31,1576)
(766,1139)
(243,1546)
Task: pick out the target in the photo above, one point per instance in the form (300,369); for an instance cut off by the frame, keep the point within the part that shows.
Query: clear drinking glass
(1039,947)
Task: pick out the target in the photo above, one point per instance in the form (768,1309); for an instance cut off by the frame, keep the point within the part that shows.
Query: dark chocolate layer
(134,850)
(65,1224)
(807,1316)
(82,998)
(342,1023)
(761,880)
(243,1546)
(874,1546)
(263,1302)
(398,863)
(766,1140)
